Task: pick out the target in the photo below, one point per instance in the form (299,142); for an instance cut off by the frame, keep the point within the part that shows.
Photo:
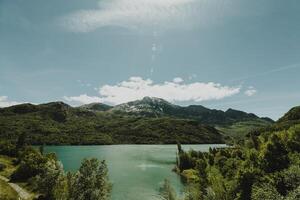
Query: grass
(240,129)
(6,192)
(8,162)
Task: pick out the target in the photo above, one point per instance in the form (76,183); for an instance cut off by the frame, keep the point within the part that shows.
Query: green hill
(146,121)
(59,123)
(232,123)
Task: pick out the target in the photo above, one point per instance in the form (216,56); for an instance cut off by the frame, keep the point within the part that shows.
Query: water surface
(136,171)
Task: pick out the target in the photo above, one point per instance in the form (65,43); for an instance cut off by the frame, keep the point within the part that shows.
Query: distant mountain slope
(59,123)
(156,107)
(96,107)
(291,118)
(291,115)
(288,120)
(232,123)
(99,123)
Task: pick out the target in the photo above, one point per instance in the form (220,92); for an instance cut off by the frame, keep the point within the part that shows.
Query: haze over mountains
(146,121)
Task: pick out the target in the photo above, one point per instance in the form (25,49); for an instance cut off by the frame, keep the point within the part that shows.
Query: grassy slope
(239,130)
(6,192)
(10,168)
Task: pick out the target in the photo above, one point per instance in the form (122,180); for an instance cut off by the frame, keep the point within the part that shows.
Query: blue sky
(221,54)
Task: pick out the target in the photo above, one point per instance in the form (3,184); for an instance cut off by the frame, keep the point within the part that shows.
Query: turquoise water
(136,171)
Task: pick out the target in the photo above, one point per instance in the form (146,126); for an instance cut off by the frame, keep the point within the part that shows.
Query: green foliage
(58,123)
(274,155)
(266,166)
(294,195)
(7,148)
(91,182)
(32,163)
(45,174)
(167,192)
(6,192)
(292,115)
(265,192)
(52,183)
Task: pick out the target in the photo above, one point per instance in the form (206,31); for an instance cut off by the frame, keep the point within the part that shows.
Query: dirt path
(23,194)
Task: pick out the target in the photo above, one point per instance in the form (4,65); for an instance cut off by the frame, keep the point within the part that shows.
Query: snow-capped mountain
(147,106)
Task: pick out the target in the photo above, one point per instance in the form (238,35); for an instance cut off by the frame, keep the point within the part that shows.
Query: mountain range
(157,107)
(146,121)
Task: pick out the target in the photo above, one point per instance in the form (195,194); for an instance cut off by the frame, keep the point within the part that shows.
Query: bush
(2,167)
(265,192)
(90,182)
(32,163)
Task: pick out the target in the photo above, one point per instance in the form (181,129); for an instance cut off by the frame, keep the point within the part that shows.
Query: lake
(136,171)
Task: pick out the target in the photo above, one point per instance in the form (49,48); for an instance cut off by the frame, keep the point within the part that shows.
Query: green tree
(53,183)
(41,148)
(91,182)
(294,195)
(21,141)
(265,192)
(32,163)
(275,155)
(167,192)
(246,177)
(201,168)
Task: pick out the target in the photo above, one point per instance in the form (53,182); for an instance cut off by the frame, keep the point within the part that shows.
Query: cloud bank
(175,91)
(4,102)
(128,13)
(156,14)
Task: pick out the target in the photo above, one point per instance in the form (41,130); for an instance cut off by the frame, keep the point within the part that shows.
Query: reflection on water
(136,171)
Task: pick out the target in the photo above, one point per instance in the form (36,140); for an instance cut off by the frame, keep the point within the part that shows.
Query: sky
(221,54)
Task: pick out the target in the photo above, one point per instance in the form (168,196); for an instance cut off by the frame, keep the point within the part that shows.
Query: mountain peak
(148,99)
(96,107)
(146,106)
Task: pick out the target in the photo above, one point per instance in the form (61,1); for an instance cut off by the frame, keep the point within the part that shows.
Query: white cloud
(4,102)
(83,99)
(137,88)
(177,80)
(134,14)
(251,91)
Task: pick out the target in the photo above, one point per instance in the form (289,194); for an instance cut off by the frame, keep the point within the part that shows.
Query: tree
(91,182)
(53,183)
(265,192)
(275,155)
(201,168)
(167,192)
(246,178)
(217,188)
(41,148)
(32,163)
(21,141)
(294,195)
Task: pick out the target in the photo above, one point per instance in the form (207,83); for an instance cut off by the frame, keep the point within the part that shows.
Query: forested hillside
(266,166)
(59,123)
